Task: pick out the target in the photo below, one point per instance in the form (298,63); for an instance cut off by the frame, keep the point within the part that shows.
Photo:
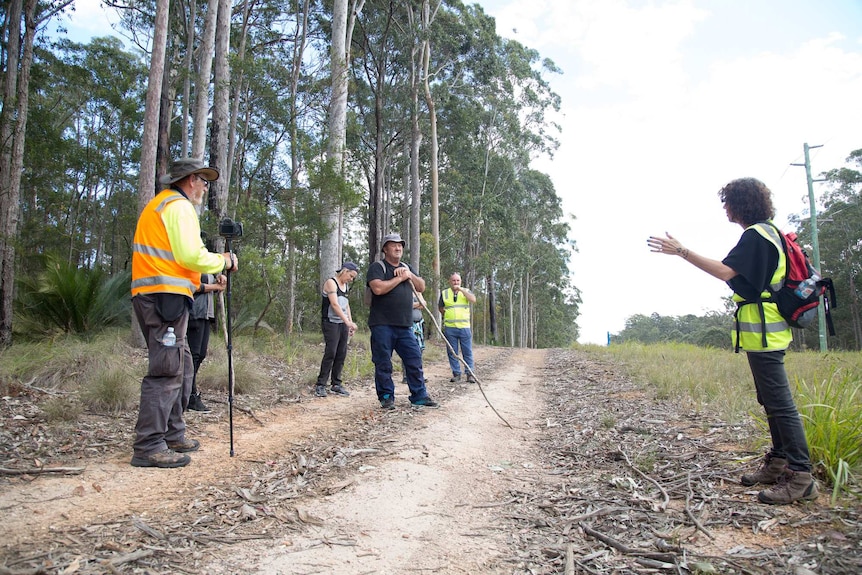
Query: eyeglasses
(204,180)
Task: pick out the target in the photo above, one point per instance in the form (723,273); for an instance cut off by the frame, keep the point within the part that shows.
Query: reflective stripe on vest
(771,327)
(154,269)
(457,312)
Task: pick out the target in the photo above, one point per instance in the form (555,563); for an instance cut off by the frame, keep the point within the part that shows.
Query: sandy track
(430,504)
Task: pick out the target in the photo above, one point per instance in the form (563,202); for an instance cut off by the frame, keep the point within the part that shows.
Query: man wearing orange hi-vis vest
(168,257)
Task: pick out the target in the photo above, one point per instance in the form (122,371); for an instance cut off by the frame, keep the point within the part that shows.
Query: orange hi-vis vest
(154,269)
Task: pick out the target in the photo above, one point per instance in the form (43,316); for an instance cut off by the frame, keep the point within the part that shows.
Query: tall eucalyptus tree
(21,21)
(342,31)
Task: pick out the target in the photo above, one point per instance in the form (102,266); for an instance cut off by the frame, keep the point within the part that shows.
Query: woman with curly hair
(752,266)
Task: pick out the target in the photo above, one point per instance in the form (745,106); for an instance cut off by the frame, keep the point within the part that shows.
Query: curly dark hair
(748,201)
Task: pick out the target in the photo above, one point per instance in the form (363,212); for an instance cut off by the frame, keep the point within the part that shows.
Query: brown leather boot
(792,486)
(769,473)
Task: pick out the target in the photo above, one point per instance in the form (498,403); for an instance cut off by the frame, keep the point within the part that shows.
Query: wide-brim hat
(186,167)
(392,238)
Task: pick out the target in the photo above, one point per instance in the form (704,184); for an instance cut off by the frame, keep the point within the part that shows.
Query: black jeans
(335,336)
(785,424)
(199,339)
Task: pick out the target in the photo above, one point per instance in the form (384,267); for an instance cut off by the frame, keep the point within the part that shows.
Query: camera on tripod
(230,229)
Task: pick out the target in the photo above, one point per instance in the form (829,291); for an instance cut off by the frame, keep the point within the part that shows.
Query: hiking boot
(455,378)
(197,404)
(792,486)
(425,402)
(470,378)
(771,470)
(338,390)
(388,402)
(320,391)
(184,446)
(164,459)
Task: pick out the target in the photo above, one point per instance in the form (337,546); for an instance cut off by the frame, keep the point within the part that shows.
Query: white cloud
(90,18)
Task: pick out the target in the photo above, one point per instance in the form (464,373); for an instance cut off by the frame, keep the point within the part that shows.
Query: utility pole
(815,243)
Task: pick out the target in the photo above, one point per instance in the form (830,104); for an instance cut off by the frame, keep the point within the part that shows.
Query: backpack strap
(829,302)
(759,303)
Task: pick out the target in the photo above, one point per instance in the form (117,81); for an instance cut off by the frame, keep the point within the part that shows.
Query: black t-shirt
(394,308)
(754,258)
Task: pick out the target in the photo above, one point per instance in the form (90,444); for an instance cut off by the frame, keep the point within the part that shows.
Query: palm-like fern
(71,299)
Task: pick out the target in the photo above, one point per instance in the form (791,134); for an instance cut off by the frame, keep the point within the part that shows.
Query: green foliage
(832,411)
(71,299)
(82,155)
(112,388)
(711,330)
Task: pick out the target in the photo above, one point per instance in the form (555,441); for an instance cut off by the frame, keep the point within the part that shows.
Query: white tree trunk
(330,244)
(427,19)
(202,93)
(221,120)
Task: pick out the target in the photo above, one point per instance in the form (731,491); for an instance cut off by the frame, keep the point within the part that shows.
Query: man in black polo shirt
(392,283)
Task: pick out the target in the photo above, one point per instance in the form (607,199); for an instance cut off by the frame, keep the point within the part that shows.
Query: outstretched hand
(668,245)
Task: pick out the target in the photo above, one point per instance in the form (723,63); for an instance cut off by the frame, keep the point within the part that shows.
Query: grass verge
(826,387)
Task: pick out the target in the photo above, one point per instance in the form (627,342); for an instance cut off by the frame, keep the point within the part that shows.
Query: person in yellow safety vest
(456,325)
(168,257)
(756,262)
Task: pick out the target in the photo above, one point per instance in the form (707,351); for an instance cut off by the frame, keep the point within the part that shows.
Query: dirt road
(420,505)
(588,474)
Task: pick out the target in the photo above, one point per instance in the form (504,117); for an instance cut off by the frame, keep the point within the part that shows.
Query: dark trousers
(199,340)
(166,387)
(384,340)
(335,336)
(785,424)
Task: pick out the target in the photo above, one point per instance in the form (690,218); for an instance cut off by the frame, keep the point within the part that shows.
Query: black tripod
(229,229)
(229,346)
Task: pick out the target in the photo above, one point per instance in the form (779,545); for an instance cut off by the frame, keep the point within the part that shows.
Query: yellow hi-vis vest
(457,312)
(769,331)
(154,269)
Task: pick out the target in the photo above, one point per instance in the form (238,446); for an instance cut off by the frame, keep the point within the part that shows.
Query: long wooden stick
(461,359)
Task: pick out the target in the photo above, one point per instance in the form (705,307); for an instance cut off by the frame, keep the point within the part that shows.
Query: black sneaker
(455,378)
(197,404)
(425,402)
(338,390)
(320,391)
(388,402)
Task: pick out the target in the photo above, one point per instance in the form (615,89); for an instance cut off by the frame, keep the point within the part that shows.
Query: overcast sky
(663,103)
(666,101)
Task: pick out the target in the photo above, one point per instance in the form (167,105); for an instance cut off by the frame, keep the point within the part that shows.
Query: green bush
(832,412)
(70,299)
(112,388)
